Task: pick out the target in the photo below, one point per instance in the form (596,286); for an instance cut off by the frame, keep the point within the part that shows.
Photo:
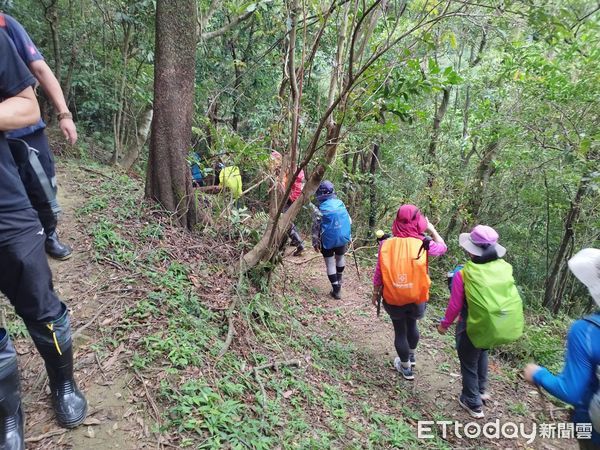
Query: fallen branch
(229,314)
(304,261)
(148,396)
(97,172)
(263,392)
(230,329)
(46,435)
(277,364)
(80,330)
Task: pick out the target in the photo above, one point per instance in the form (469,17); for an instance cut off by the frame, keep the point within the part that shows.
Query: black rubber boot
(49,221)
(53,341)
(11,413)
(57,249)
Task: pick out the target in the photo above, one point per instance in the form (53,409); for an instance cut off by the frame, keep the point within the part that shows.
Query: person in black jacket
(25,277)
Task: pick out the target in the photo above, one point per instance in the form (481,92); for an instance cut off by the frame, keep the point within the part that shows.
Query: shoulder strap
(424,246)
(23,150)
(593,319)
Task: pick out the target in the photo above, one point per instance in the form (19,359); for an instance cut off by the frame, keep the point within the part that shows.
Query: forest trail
(434,392)
(123,412)
(116,418)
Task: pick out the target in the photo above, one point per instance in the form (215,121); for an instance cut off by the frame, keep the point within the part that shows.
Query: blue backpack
(450,275)
(335,224)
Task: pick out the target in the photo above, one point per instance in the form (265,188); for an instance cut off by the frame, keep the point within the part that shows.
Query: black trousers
(473,367)
(293,231)
(25,277)
(39,141)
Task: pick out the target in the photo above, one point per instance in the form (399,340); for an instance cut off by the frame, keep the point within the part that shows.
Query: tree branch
(225,28)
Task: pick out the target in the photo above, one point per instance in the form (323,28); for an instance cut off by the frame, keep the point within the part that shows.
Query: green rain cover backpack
(495,308)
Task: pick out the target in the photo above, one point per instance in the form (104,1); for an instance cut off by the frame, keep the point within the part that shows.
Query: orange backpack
(404,270)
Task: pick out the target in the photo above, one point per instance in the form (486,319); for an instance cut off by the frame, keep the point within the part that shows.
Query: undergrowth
(177,332)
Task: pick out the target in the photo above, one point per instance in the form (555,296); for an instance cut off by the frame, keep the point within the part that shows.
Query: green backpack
(495,309)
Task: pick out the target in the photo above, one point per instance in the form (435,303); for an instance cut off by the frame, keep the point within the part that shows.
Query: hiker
(382,236)
(483,281)
(229,179)
(35,136)
(197,176)
(578,383)
(297,186)
(331,233)
(26,279)
(402,281)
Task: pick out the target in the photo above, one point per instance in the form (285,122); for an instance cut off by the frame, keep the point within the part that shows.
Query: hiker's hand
(430,226)
(69,130)
(530,370)
(374,299)
(317,249)
(441,329)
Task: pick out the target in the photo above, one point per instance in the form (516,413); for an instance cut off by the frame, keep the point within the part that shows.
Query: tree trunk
(373,188)
(118,123)
(485,170)
(295,87)
(168,179)
(551,291)
(141,136)
(433,142)
(278,225)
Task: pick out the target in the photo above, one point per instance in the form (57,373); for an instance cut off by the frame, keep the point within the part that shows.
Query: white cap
(585,265)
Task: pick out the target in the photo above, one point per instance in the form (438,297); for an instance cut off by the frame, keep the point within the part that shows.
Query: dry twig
(152,403)
(41,437)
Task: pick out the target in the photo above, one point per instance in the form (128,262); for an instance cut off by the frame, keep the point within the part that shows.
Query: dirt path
(116,420)
(437,383)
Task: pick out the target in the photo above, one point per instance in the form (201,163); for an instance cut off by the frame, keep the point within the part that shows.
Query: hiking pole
(355,261)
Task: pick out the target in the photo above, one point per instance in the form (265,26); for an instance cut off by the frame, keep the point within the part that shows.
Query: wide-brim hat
(479,239)
(585,265)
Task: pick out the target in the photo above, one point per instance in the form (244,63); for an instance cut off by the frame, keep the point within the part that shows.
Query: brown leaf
(91,421)
(195,281)
(91,433)
(288,394)
(129,412)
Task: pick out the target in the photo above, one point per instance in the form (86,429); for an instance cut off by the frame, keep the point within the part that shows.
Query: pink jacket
(435,249)
(456,302)
(297,187)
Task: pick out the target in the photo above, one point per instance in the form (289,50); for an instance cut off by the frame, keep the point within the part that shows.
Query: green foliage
(542,342)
